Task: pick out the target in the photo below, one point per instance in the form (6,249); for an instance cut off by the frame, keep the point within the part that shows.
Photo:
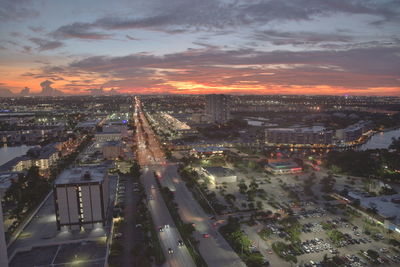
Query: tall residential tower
(217,107)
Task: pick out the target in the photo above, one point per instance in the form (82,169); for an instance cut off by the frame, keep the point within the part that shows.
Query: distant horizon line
(190,94)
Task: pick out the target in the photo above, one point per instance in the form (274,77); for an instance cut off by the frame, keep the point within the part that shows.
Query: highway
(215,250)
(157,207)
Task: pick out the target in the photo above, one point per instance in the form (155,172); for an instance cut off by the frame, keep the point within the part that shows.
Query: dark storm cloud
(44,44)
(79,31)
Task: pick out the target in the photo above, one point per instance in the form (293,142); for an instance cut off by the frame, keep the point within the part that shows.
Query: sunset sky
(201,46)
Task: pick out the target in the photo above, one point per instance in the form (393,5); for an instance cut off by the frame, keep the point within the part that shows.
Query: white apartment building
(81,197)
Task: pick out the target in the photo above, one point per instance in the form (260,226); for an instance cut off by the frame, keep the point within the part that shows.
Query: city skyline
(200,47)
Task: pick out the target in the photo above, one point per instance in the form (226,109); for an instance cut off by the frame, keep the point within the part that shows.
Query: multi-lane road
(214,249)
(170,236)
(161,217)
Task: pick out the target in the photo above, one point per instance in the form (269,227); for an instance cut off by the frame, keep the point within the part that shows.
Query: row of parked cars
(349,240)
(120,199)
(315,245)
(313,213)
(312,228)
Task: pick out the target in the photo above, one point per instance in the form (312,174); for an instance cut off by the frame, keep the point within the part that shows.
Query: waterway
(9,152)
(381,140)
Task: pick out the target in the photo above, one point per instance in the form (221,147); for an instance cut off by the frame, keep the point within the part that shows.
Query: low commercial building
(112,127)
(81,197)
(219,175)
(386,209)
(200,152)
(112,150)
(108,136)
(283,167)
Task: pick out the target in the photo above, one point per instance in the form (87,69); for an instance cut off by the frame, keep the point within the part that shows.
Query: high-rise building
(3,245)
(81,197)
(217,107)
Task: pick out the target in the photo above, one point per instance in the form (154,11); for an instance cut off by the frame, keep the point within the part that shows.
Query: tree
(253,185)
(328,183)
(230,198)
(259,205)
(135,169)
(242,187)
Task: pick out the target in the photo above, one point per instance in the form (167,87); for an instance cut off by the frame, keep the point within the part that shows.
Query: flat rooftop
(77,175)
(387,206)
(315,128)
(219,171)
(209,149)
(84,253)
(283,164)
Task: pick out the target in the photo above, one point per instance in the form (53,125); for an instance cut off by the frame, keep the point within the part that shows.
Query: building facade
(219,175)
(218,108)
(81,198)
(3,244)
(283,167)
(354,132)
(301,135)
(108,136)
(112,150)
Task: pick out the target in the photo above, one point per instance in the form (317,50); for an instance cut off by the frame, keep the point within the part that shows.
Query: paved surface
(161,216)
(131,235)
(157,207)
(263,246)
(215,250)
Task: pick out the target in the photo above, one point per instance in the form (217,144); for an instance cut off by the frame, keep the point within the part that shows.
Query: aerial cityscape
(204,133)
